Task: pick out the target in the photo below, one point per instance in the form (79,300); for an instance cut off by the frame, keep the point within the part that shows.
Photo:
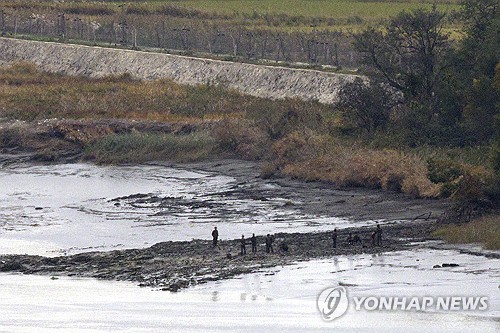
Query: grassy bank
(29,94)
(118,119)
(485,230)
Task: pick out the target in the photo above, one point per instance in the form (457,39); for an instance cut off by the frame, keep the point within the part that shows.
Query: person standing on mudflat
(215,236)
(243,245)
(374,237)
(268,243)
(356,239)
(379,235)
(349,239)
(254,243)
(334,238)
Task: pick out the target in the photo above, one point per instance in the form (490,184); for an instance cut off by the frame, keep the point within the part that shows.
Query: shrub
(10,138)
(470,199)
(366,106)
(280,118)
(242,137)
(442,171)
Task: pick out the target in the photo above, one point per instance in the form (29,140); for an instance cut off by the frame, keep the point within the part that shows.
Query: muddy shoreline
(175,265)
(317,198)
(171,266)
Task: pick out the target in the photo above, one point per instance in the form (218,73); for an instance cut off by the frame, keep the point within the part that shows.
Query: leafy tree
(477,56)
(366,106)
(481,46)
(409,54)
(448,88)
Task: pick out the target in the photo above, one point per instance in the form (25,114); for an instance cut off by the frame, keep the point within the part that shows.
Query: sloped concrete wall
(258,80)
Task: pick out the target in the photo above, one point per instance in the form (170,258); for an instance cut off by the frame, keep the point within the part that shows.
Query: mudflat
(174,265)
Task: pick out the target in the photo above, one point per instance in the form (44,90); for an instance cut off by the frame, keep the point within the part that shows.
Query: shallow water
(281,299)
(67,208)
(49,210)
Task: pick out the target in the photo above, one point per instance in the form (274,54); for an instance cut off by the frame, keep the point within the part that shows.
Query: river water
(69,208)
(64,209)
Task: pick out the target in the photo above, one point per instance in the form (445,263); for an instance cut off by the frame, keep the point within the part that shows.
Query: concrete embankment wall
(258,80)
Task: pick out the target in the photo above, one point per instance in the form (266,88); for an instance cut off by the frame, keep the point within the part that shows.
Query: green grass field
(291,16)
(367,10)
(311,8)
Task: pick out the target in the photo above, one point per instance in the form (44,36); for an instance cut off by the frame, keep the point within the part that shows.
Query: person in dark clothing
(334,238)
(374,237)
(254,243)
(269,244)
(284,247)
(349,239)
(379,235)
(356,239)
(215,236)
(243,245)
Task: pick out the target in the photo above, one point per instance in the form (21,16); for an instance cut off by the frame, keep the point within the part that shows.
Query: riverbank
(256,80)
(175,265)
(143,121)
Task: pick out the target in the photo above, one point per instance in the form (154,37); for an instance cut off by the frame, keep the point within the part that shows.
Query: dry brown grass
(311,157)
(242,136)
(27,93)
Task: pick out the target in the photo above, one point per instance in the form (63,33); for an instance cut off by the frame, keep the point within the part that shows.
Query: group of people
(243,243)
(376,237)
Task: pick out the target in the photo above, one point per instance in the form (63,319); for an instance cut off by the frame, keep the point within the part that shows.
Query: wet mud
(174,265)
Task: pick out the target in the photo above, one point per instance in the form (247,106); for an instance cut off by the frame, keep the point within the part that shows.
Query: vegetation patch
(137,147)
(321,158)
(484,230)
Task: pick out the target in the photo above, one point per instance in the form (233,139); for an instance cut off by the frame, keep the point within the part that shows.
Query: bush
(280,118)
(443,171)
(10,138)
(472,185)
(365,106)
(242,137)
